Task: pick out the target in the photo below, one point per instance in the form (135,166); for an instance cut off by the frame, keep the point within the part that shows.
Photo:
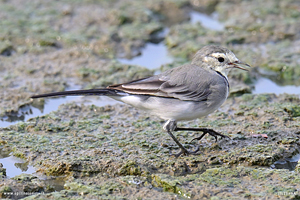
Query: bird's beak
(239,64)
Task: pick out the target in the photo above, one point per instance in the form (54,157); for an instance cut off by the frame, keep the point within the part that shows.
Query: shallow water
(52,104)
(207,21)
(152,56)
(15,166)
(264,85)
(289,163)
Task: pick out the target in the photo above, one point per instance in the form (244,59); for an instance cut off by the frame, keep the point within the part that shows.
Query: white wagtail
(183,93)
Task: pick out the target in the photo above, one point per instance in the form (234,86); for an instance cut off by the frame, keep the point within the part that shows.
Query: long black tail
(106,92)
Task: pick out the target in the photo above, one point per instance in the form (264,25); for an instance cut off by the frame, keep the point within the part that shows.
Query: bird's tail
(100,92)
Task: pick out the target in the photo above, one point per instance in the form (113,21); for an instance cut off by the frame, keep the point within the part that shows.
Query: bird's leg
(171,126)
(204,130)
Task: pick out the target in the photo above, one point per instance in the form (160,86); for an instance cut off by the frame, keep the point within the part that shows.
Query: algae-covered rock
(118,152)
(242,182)
(169,184)
(77,143)
(2,171)
(24,177)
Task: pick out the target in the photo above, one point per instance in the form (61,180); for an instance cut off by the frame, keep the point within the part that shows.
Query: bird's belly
(168,108)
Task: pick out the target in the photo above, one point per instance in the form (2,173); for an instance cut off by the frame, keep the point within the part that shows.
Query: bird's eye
(221,59)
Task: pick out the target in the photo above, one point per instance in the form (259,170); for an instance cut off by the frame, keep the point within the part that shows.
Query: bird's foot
(212,133)
(184,151)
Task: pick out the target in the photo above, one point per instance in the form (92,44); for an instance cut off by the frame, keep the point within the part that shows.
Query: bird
(183,93)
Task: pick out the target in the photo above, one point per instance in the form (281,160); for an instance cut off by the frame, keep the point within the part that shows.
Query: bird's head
(218,58)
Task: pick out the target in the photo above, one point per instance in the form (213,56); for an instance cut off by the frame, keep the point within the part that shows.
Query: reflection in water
(15,166)
(289,163)
(50,105)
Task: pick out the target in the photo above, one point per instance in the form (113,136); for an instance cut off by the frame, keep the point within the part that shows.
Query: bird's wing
(188,83)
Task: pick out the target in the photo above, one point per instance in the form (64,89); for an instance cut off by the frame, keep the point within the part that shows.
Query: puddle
(207,21)
(156,54)
(152,57)
(264,85)
(52,104)
(289,163)
(15,166)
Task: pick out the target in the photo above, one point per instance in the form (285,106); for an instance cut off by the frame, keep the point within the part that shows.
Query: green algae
(5,189)
(262,155)
(119,73)
(130,168)
(116,152)
(292,110)
(278,46)
(234,177)
(122,25)
(169,184)
(24,177)
(180,40)
(18,154)
(81,188)
(2,171)
(88,149)
(110,73)
(219,176)
(129,31)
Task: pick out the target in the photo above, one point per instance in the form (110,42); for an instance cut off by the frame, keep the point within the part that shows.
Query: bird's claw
(185,152)
(212,133)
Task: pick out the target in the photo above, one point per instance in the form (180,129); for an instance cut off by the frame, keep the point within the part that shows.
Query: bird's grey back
(193,83)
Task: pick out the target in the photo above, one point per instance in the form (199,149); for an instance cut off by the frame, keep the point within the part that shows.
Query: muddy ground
(118,152)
